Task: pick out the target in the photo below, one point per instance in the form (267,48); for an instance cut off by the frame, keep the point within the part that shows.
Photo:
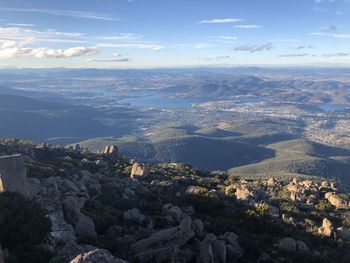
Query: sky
(173,33)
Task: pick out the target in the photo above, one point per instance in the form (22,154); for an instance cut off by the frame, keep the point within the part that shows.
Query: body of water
(161,101)
(334,107)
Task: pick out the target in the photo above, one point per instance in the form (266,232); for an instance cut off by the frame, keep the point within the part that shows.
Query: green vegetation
(299,158)
(23,225)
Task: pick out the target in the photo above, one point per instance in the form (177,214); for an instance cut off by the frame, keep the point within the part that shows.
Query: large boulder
(97,256)
(343,233)
(138,170)
(160,243)
(68,252)
(243,193)
(134,216)
(288,244)
(174,212)
(111,150)
(291,245)
(327,228)
(220,249)
(233,248)
(271,182)
(13,175)
(336,200)
(83,225)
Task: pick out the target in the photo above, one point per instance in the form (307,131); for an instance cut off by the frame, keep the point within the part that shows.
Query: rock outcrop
(134,216)
(138,170)
(220,249)
(343,233)
(83,225)
(336,200)
(13,175)
(97,256)
(327,228)
(111,150)
(290,245)
(160,245)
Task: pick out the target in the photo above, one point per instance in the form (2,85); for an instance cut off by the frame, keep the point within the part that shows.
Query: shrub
(324,206)
(23,225)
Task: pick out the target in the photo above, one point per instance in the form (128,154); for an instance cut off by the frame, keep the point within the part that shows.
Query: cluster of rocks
(173,231)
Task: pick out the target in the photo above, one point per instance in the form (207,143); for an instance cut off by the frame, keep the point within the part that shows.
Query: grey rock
(13,175)
(288,244)
(178,235)
(174,212)
(135,216)
(138,170)
(83,225)
(97,256)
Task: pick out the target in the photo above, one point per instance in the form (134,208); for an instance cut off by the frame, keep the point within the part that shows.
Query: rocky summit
(69,205)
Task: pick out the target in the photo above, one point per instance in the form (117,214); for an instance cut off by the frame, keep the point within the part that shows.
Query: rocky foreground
(100,207)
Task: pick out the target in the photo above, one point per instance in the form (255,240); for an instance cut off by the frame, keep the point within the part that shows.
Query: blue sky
(168,33)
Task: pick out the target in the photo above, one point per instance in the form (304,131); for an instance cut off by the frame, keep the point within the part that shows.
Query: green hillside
(299,157)
(199,151)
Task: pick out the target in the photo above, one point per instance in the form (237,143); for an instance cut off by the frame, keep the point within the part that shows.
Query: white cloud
(247,26)
(109,60)
(338,36)
(46,52)
(336,55)
(254,48)
(220,21)
(132,46)
(127,36)
(294,55)
(202,45)
(30,35)
(7,44)
(20,25)
(57,12)
(324,1)
(224,37)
